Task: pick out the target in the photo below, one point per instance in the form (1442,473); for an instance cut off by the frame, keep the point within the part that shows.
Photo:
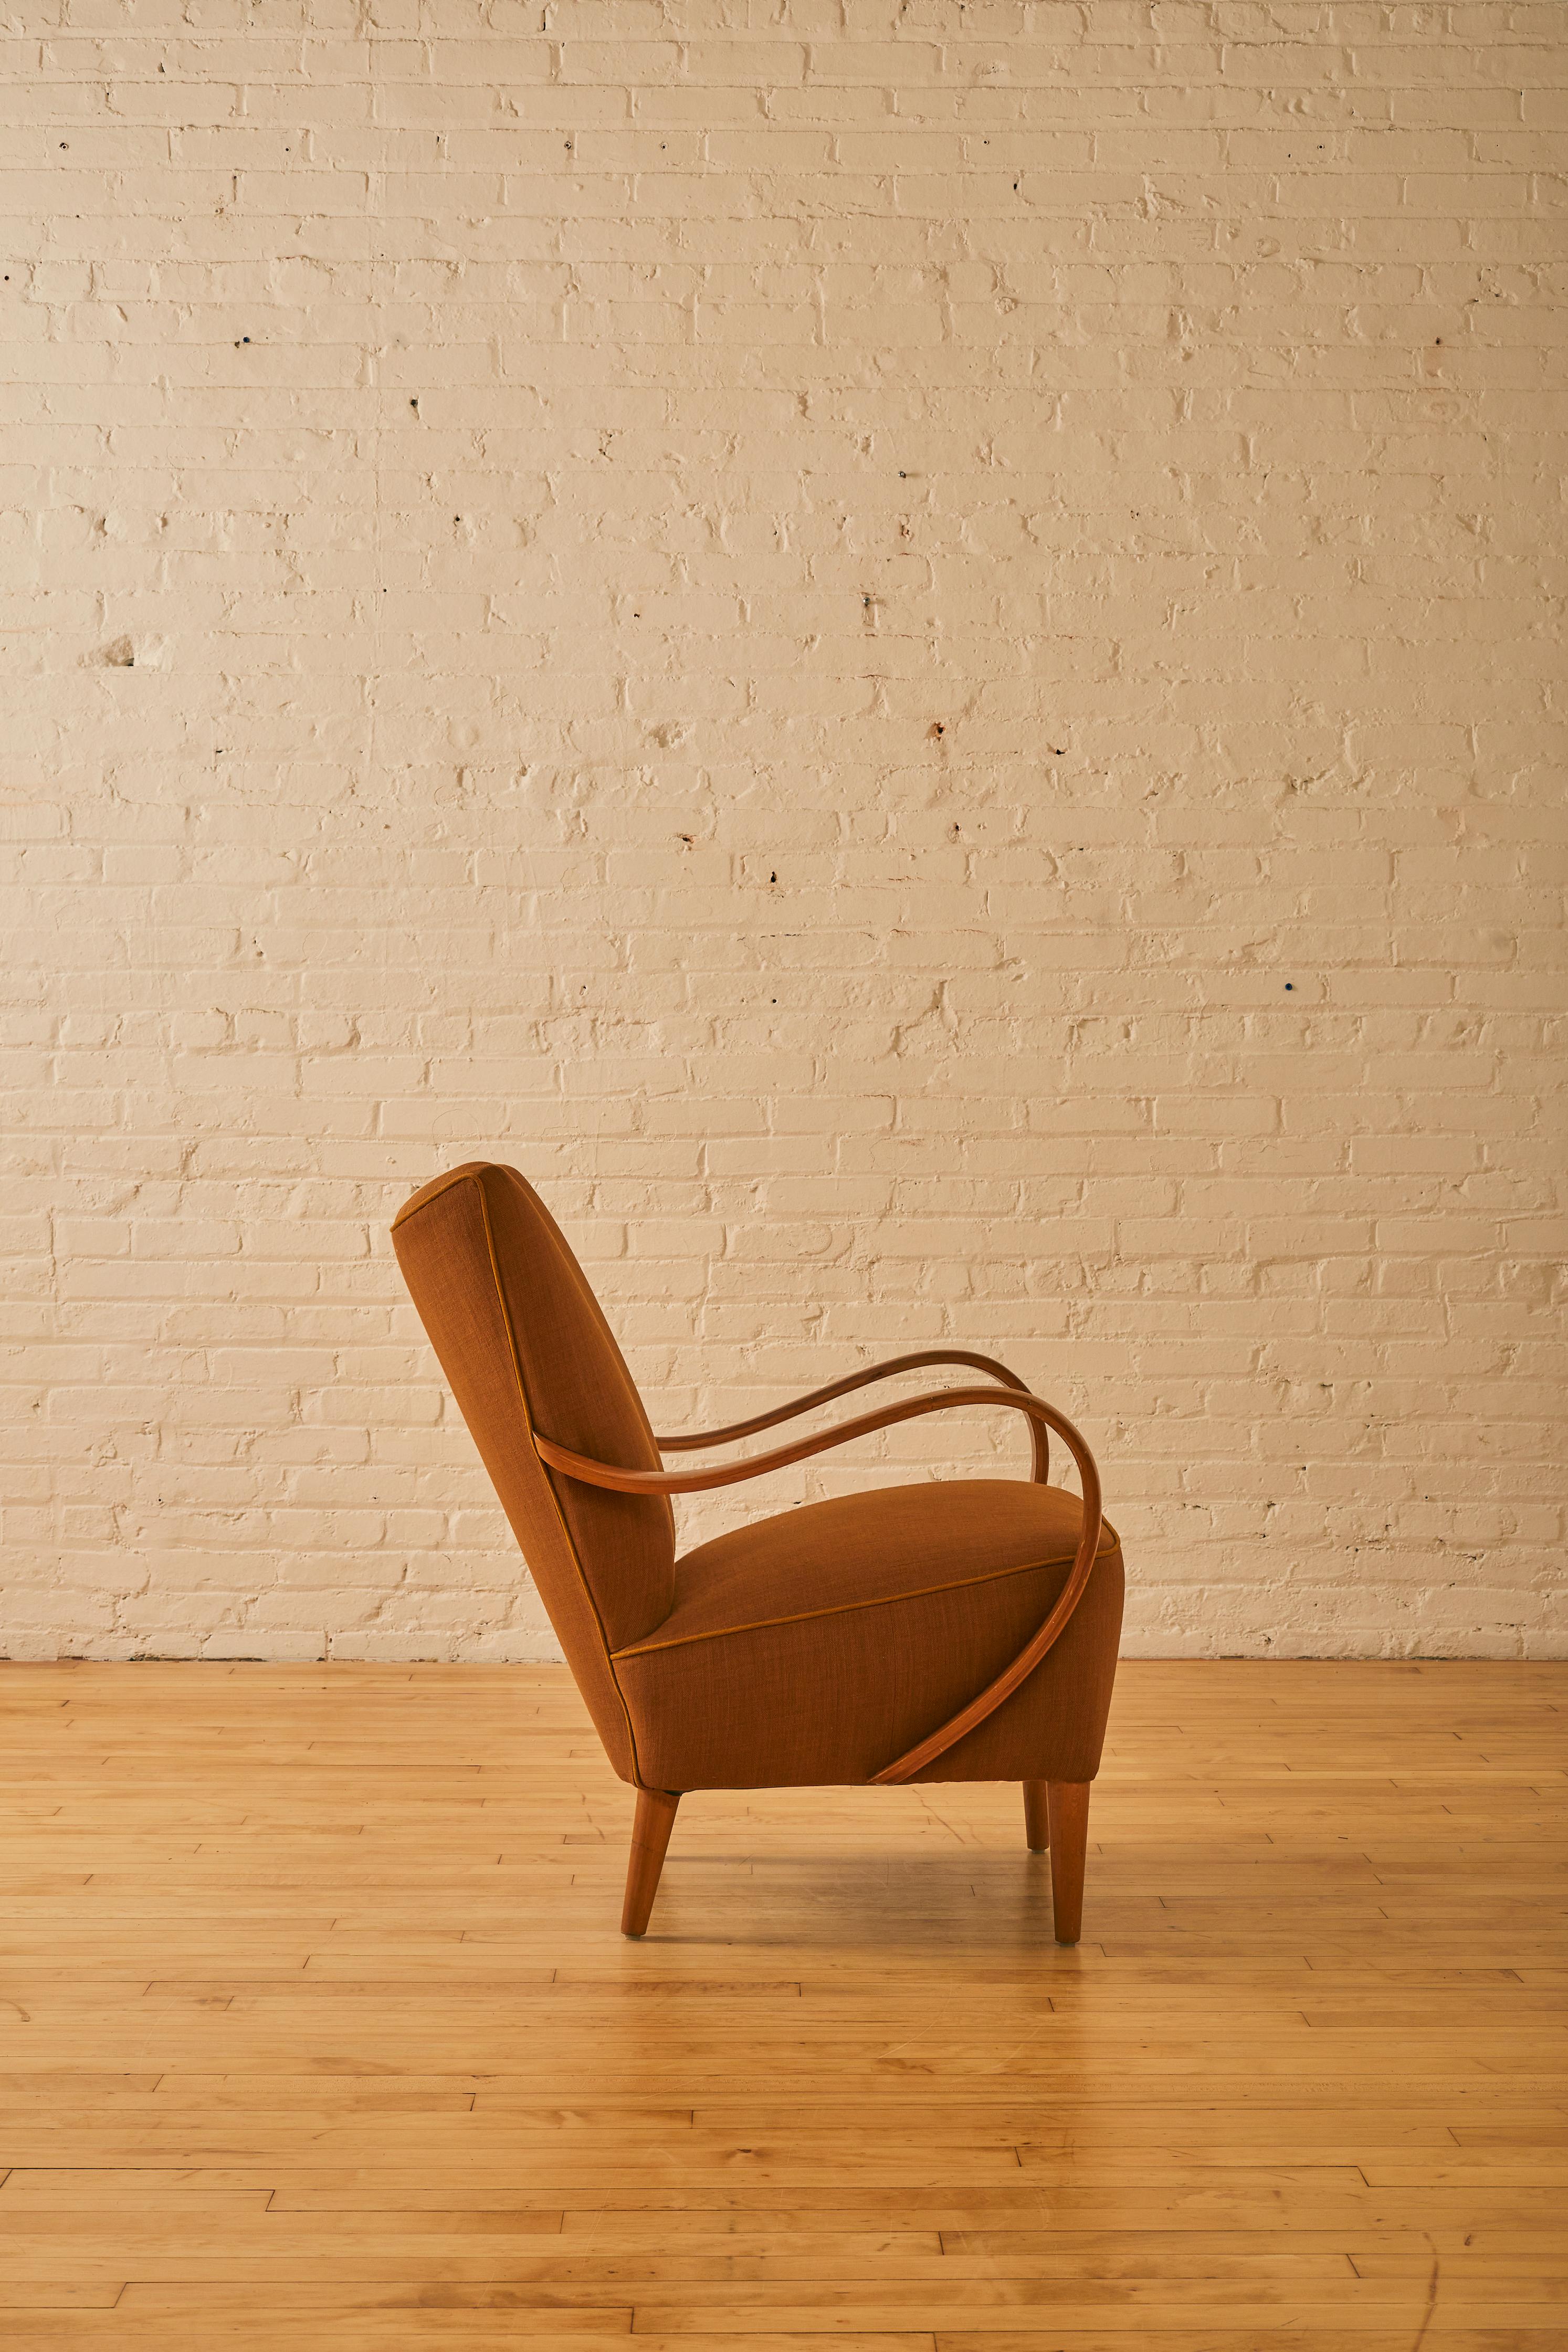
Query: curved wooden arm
(985,1703)
(692,1482)
(729,1474)
(894,1365)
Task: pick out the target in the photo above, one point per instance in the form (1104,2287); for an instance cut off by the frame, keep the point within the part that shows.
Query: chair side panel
(831,1699)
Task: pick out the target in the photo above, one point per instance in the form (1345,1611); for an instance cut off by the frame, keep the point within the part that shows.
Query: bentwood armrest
(887,1372)
(691,1482)
(728,1474)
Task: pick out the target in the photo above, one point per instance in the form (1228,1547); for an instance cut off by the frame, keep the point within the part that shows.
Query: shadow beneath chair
(981,1904)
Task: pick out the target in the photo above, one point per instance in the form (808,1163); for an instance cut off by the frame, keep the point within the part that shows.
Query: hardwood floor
(318,2028)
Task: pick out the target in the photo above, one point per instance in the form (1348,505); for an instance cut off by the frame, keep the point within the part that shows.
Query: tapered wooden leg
(1036,1815)
(1068,1840)
(650,1837)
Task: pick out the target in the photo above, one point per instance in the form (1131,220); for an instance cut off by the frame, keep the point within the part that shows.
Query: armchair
(961,1630)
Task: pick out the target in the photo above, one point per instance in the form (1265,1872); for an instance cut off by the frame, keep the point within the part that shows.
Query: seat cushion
(817,1646)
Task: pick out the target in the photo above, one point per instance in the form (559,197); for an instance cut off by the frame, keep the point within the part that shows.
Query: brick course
(913,653)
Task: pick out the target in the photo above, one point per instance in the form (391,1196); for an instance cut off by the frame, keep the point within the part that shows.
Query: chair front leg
(650,1840)
(1069,1844)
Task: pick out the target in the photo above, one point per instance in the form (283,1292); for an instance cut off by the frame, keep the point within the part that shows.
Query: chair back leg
(1069,1844)
(650,1838)
(1036,1815)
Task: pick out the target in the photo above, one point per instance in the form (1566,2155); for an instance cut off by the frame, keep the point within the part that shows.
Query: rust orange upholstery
(816,1646)
(521,1338)
(823,1645)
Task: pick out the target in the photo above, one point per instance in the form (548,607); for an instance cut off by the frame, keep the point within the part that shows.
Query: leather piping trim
(477,1181)
(878,1600)
(436,1188)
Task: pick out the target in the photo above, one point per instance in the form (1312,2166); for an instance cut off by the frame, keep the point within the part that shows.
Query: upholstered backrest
(523,1342)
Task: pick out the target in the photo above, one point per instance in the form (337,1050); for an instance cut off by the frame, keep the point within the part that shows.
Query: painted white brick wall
(915,653)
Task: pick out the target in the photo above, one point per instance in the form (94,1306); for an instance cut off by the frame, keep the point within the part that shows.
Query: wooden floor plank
(316,2028)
